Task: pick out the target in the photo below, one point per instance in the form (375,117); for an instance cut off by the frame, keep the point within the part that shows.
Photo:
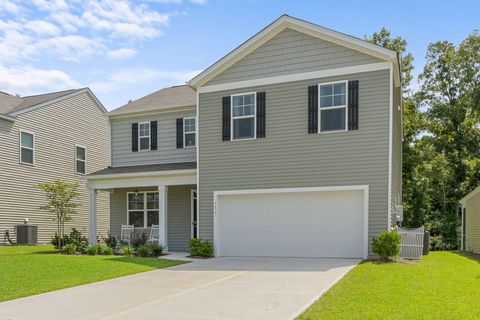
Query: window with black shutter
(134,137)
(153,135)
(226,118)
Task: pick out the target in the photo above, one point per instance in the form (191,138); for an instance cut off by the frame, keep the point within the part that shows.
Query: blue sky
(126,49)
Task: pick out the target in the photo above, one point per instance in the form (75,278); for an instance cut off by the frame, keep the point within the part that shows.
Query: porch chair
(154,234)
(126,233)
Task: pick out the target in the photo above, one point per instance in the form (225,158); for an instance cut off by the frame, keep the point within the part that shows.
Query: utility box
(26,234)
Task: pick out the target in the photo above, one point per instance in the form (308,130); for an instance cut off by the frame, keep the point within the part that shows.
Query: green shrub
(75,237)
(200,248)
(387,244)
(438,243)
(69,248)
(107,251)
(139,241)
(99,248)
(144,250)
(155,249)
(92,250)
(127,251)
(111,241)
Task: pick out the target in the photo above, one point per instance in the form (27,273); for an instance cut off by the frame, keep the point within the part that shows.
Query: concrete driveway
(221,288)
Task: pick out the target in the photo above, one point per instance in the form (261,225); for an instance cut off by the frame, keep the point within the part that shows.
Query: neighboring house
(298,149)
(61,135)
(470,239)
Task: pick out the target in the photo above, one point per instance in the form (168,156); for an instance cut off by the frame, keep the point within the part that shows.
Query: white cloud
(72,47)
(42,27)
(67,21)
(50,5)
(199,1)
(129,77)
(29,80)
(122,53)
(9,6)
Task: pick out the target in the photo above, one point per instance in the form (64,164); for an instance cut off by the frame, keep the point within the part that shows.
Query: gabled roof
(303,26)
(12,106)
(167,98)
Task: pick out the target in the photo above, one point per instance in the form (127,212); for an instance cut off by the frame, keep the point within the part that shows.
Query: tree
(61,198)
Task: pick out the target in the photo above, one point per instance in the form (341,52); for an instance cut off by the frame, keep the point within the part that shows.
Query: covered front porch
(143,196)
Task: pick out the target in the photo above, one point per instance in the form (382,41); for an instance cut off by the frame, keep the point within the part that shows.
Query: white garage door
(314,222)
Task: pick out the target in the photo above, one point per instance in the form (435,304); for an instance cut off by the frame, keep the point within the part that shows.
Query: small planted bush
(200,248)
(69,248)
(127,251)
(155,249)
(99,248)
(139,241)
(107,251)
(111,241)
(92,250)
(387,244)
(143,250)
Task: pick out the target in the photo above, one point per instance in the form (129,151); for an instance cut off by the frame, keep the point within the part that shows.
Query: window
(333,107)
(243,116)
(80,159)
(27,147)
(144,136)
(189,132)
(142,209)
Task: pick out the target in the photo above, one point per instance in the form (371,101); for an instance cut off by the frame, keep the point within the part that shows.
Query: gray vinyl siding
(178,216)
(397,151)
(57,128)
(290,52)
(289,156)
(472,226)
(167,151)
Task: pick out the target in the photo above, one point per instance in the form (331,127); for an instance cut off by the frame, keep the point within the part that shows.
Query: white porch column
(162,215)
(92,216)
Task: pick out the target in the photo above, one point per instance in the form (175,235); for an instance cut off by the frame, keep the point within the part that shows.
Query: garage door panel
(296,224)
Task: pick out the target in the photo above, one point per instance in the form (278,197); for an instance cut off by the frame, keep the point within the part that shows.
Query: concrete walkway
(221,288)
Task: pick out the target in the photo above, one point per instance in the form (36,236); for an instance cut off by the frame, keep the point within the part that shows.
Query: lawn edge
(304,308)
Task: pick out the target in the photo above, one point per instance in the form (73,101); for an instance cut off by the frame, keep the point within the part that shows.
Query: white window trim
(77,159)
(149,137)
(333,107)
(189,132)
(254,116)
(145,210)
(20,149)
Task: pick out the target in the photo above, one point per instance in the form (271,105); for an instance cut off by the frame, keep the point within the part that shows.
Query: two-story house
(297,136)
(60,135)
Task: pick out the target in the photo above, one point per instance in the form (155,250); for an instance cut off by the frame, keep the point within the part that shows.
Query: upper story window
(333,106)
(243,116)
(80,159)
(189,127)
(144,136)
(27,147)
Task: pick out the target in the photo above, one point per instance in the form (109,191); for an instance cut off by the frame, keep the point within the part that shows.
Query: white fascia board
(150,112)
(8,118)
(299,25)
(291,190)
(297,77)
(65,97)
(472,194)
(142,174)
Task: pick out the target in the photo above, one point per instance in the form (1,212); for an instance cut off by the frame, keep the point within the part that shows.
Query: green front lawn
(443,285)
(29,270)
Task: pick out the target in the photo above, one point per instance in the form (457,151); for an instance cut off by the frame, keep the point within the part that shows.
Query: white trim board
(59,99)
(299,25)
(364,188)
(296,77)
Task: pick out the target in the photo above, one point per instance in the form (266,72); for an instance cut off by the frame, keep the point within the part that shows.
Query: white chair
(126,233)
(154,233)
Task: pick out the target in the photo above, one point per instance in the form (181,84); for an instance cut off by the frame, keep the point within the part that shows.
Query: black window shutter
(260,114)
(353,105)
(226,117)
(313,109)
(134,137)
(179,133)
(153,135)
